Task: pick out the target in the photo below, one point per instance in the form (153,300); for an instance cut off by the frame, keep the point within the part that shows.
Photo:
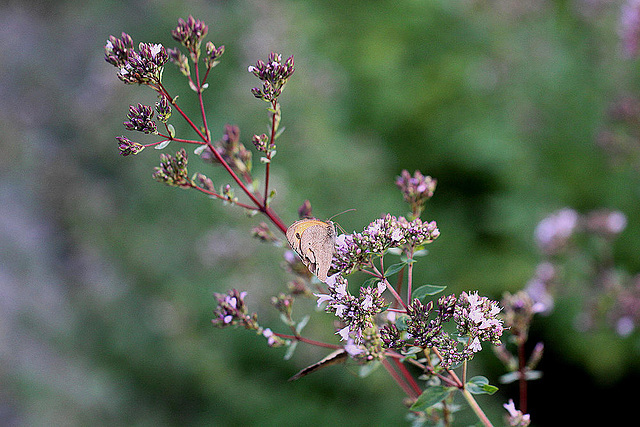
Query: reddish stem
(522,380)
(258,205)
(399,380)
(202,112)
(307,340)
(271,141)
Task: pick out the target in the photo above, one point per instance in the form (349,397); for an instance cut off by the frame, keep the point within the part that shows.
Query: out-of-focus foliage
(106,277)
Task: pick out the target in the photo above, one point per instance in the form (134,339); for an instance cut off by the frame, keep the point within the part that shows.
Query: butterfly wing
(314,241)
(318,244)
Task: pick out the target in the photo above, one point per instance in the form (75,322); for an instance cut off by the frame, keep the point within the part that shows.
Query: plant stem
(274,105)
(399,380)
(522,381)
(476,408)
(202,112)
(258,205)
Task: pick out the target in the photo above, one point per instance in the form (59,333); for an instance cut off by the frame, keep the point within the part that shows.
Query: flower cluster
(232,310)
(143,67)
(477,318)
(118,50)
(141,119)
(554,231)
(128,147)
(190,33)
(173,171)
(353,251)
(630,27)
(519,309)
(231,150)
(369,349)
(356,312)
(262,232)
(516,417)
(163,109)
(213,54)
(273,74)
(261,143)
(416,190)
(180,60)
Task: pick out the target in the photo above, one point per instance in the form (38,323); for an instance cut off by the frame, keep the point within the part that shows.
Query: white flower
(155,49)
(344,333)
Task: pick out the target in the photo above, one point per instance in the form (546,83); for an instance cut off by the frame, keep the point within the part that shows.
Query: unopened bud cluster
(416,190)
(173,170)
(232,151)
(273,74)
(142,67)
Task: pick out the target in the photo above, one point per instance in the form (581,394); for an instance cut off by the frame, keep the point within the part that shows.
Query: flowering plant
(386,322)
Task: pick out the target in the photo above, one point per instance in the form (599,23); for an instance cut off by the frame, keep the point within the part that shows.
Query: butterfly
(314,241)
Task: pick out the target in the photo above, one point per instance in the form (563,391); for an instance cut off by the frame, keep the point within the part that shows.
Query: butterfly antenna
(348,210)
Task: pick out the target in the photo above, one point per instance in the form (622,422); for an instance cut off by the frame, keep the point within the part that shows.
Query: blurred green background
(106,277)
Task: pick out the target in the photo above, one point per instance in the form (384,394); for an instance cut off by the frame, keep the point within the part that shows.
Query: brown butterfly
(314,241)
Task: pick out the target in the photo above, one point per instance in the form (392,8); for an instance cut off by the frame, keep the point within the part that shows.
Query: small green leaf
(279,132)
(204,86)
(371,281)
(412,350)
(199,149)
(421,252)
(272,195)
(425,290)
(292,348)
(301,324)
(480,385)
(393,269)
(264,160)
(172,131)
(509,378)
(367,369)
(401,322)
(514,376)
(430,397)
(162,145)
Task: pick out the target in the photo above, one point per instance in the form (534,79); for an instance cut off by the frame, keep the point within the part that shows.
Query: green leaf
(393,269)
(301,324)
(514,376)
(425,290)
(162,145)
(430,397)
(172,131)
(367,369)
(199,149)
(412,350)
(401,322)
(371,281)
(421,252)
(480,385)
(279,132)
(292,348)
